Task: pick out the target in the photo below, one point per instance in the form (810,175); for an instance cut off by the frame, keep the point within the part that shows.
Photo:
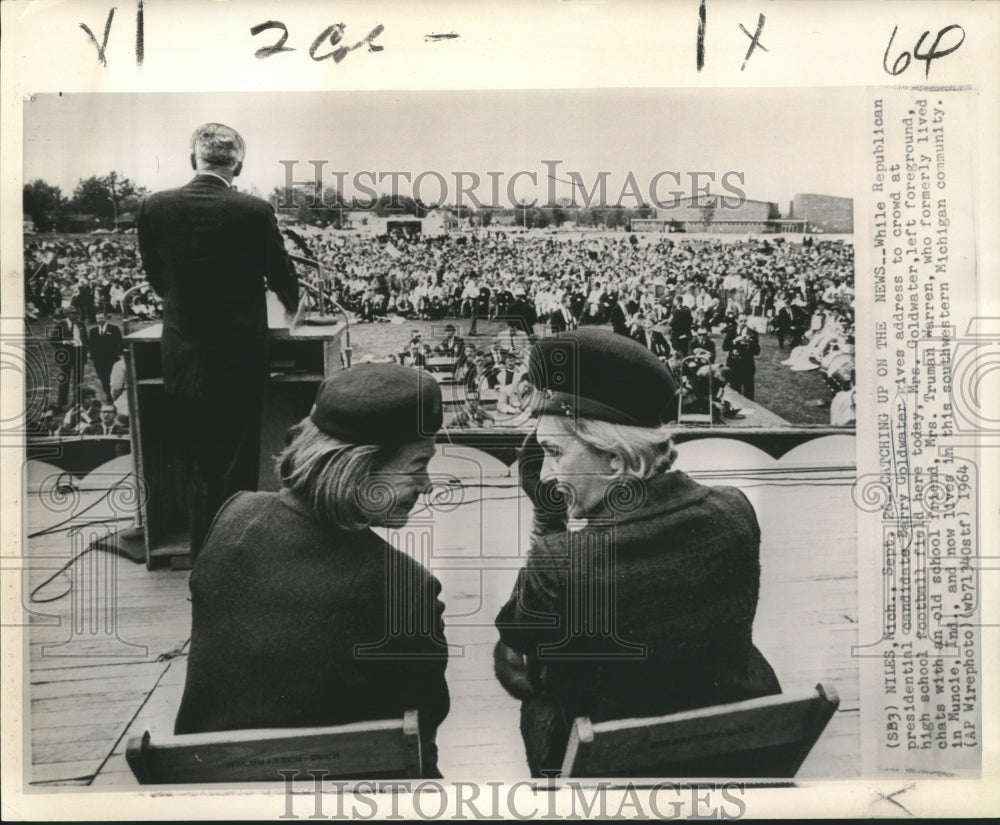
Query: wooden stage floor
(107,639)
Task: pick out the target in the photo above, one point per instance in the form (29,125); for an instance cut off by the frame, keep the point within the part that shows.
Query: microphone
(322,297)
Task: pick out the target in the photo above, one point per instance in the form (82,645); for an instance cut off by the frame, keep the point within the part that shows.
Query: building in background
(824,213)
(712,213)
(715,213)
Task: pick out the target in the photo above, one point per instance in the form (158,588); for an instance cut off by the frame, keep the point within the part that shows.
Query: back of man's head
(217,148)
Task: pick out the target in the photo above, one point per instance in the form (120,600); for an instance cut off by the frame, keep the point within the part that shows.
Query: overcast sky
(784,141)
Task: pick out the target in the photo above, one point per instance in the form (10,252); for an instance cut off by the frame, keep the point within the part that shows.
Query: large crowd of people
(665,291)
(498,275)
(99,274)
(74,287)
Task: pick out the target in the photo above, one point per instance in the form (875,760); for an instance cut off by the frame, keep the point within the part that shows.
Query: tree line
(330,208)
(104,200)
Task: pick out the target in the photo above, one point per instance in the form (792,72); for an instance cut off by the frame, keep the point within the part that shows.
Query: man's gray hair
(216,144)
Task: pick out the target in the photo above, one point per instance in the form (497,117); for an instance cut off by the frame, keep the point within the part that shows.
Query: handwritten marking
(140,35)
(928,56)
(343,51)
(895,70)
(335,33)
(267,51)
(107,31)
(934,54)
(892,798)
(754,39)
(700,51)
(449,36)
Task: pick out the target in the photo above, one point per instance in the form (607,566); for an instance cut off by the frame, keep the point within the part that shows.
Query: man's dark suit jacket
(741,355)
(654,341)
(208,252)
(681,322)
(104,349)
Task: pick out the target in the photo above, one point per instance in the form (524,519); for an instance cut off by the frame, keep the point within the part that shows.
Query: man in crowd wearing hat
(703,342)
(211,252)
(666,569)
(302,615)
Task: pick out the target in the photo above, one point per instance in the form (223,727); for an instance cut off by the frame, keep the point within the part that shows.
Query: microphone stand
(322,298)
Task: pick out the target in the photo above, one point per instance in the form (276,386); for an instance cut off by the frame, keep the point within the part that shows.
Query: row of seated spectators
(498,276)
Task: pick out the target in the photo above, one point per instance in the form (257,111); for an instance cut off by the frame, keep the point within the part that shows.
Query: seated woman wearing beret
(301,615)
(647,609)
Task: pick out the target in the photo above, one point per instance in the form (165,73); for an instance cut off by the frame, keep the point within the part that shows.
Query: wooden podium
(297,362)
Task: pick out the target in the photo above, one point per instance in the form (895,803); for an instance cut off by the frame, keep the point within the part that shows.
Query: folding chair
(381,749)
(766,738)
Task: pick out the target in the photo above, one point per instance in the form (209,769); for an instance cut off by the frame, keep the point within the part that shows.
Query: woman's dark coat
(646,614)
(295,623)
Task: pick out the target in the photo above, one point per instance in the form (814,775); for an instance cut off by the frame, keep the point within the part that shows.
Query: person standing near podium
(210,253)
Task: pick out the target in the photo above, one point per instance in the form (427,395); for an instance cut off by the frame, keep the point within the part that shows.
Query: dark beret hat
(594,373)
(384,404)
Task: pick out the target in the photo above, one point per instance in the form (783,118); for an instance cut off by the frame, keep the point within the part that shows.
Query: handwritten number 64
(928,56)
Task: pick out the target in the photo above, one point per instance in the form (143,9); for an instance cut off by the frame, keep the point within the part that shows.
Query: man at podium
(210,253)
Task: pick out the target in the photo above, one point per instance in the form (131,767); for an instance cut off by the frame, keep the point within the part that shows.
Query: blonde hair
(640,452)
(334,478)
